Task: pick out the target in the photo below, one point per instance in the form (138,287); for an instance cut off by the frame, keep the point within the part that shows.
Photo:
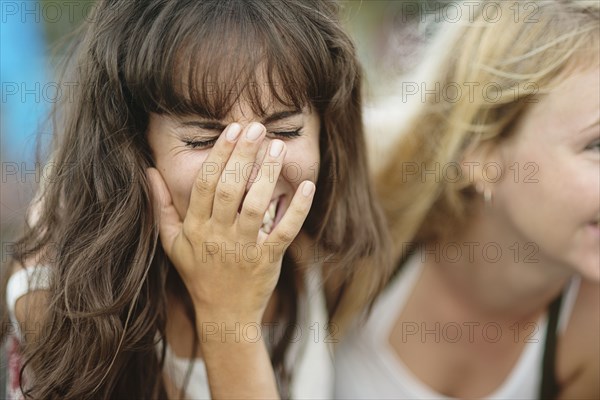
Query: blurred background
(33,33)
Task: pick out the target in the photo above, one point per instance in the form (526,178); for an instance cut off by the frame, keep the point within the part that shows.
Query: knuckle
(286,235)
(299,212)
(253,211)
(202,186)
(225,194)
(190,230)
(248,152)
(222,152)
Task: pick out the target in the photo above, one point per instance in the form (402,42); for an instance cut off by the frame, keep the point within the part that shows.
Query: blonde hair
(517,56)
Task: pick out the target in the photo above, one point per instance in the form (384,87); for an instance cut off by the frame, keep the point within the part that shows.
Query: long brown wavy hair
(95,224)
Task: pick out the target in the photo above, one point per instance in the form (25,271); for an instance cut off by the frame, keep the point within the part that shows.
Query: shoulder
(579,348)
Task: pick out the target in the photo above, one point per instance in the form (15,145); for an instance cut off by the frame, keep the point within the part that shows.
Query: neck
(493,269)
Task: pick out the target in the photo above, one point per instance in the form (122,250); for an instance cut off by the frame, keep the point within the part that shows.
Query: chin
(591,273)
(589,267)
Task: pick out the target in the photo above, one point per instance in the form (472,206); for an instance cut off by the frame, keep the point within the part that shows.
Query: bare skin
(556,217)
(228,208)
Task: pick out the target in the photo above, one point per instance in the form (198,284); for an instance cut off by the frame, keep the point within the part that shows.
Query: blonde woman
(493,197)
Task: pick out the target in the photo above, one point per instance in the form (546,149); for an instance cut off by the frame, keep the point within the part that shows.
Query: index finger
(203,191)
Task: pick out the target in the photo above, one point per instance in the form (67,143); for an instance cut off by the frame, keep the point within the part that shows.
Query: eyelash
(202,144)
(594,145)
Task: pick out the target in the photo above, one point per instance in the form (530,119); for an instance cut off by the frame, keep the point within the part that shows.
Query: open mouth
(272,215)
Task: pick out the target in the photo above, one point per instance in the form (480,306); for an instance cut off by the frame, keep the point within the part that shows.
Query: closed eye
(199,144)
(203,144)
(594,146)
(288,134)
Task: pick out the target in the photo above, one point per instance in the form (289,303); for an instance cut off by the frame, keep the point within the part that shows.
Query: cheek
(527,192)
(550,201)
(179,173)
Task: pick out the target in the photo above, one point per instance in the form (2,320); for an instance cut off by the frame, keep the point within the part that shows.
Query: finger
(169,222)
(287,229)
(234,178)
(260,195)
(262,154)
(203,191)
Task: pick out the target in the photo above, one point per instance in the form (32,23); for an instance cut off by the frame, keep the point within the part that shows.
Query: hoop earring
(488,197)
(487,194)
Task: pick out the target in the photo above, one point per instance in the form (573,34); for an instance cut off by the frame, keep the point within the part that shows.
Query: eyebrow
(214,125)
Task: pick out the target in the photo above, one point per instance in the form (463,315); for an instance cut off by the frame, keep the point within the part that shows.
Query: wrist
(231,330)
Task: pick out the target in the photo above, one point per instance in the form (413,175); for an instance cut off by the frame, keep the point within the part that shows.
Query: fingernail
(308,188)
(254,132)
(233,132)
(276,148)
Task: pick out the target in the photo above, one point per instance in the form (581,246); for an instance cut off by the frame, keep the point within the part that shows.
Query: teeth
(269,218)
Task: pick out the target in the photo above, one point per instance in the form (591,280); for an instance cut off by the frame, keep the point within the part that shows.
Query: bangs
(203,57)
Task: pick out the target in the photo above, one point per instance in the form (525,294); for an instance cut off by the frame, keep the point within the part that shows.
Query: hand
(228,264)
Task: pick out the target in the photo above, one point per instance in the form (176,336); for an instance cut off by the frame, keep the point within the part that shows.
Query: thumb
(169,222)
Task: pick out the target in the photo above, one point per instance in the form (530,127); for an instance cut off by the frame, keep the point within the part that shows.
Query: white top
(309,355)
(367,367)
